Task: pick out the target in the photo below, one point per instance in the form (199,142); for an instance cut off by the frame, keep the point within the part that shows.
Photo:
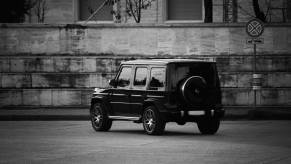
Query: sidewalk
(44,114)
(83,114)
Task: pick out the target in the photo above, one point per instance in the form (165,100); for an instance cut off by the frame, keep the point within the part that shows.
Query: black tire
(208,126)
(99,118)
(153,123)
(193,90)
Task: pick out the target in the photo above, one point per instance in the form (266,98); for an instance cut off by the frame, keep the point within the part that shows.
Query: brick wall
(46,65)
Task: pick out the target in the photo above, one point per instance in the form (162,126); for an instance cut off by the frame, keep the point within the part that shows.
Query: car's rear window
(157,80)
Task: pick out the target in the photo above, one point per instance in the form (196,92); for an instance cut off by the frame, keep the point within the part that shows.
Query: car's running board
(124,118)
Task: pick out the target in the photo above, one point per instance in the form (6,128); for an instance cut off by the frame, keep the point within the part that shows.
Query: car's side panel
(120,102)
(137,100)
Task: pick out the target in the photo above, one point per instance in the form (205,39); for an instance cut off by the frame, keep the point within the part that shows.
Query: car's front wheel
(99,118)
(208,126)
(153,123)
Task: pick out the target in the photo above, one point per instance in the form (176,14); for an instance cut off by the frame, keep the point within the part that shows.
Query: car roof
(167,61)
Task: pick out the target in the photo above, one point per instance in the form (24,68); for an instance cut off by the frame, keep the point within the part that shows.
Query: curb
(83,114)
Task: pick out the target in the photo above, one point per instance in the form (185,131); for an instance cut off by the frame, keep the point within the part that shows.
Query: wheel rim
(97,116)
(149,120)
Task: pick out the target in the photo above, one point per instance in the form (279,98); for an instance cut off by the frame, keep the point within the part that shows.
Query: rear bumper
(193,115)
(218,113)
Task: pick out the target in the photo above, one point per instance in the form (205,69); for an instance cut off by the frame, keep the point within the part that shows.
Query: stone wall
(59,65)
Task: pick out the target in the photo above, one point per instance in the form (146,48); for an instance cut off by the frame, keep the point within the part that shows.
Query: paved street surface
(76,142)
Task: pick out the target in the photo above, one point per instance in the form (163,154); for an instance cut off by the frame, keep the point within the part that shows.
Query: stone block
(62,64)
(60,80)
(44,81)
(274,97)
(80,80)
(139,41)
(16,81)
(240,63)
(11,41)
(221,41)
(104,65)
(17,65)
(4,65)
(76,65)
(10,97)
(93,41)
(228,80)
(237,97)
(179,46)
(265,63)
(66,97)
(193,42)
(41,64)
(16,97)
(100,80)
(86,97)
(38,42)
(237,40)
(288,64)
(77,41)
(279,80)
(165,41)
(45,97)
(268,46)
(89,64)
(207,41)
(52,38)
(244,80)
(31,97)
(280,39)
(234,64)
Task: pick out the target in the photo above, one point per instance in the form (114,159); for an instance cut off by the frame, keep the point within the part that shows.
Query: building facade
(165,11)
(58,63)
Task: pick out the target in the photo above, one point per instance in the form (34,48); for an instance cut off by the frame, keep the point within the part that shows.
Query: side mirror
(112,82)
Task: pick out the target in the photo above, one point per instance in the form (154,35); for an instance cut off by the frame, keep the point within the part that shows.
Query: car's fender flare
(155,102)
(100,99)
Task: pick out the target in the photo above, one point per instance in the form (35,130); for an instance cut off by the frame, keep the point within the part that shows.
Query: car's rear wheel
(153,123)
(208,126)
(99,118)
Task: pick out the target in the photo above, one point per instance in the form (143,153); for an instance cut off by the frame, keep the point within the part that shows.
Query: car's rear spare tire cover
(193,90)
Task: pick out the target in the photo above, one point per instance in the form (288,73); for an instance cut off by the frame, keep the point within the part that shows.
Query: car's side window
(123,80)
(140,77)
(157,80)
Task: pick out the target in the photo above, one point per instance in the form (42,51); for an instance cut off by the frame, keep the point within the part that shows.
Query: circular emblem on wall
(255,28)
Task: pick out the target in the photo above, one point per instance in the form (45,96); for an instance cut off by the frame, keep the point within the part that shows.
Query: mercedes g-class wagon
(154,92)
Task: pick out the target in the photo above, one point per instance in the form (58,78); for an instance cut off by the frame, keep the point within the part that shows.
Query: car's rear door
(139,89)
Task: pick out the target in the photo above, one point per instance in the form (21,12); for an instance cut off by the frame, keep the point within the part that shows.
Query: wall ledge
(144,25)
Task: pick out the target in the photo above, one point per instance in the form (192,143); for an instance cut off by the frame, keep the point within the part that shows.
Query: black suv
(154,92)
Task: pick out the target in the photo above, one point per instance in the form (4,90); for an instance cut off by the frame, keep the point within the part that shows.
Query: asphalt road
(76,142)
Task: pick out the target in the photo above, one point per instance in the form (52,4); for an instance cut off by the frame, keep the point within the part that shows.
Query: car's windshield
(182,71)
